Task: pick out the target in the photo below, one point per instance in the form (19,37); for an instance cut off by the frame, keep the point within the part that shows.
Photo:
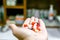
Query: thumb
(21,32)
(13,26)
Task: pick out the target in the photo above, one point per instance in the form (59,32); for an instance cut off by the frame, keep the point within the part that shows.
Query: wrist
(29,38)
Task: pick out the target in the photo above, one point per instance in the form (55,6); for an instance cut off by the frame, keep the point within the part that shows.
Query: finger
(32,18)
(26,21)
(13,26)
(36,19)
(43,28)
(42,25)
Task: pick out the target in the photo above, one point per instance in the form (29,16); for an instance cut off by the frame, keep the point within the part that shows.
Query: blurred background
(16,11)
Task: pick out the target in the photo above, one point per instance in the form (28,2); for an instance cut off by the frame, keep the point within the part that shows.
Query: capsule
(38,24)
(25,25)
(38,28)
(33,23)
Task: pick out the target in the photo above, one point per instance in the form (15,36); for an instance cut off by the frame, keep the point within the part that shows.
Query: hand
(27,34)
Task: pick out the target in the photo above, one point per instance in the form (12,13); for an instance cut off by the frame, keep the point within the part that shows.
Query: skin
(27,34)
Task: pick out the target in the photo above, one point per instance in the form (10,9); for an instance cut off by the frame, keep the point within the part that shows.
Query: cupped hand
(27,34)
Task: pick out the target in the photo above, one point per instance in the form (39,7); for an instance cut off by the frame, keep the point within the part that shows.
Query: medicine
(25,25)
(33,25)
(38,28)
(38,24)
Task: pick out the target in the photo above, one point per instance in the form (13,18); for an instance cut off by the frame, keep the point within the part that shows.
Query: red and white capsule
(25,25)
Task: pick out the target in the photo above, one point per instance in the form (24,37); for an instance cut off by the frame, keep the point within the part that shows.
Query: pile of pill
(34,25)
